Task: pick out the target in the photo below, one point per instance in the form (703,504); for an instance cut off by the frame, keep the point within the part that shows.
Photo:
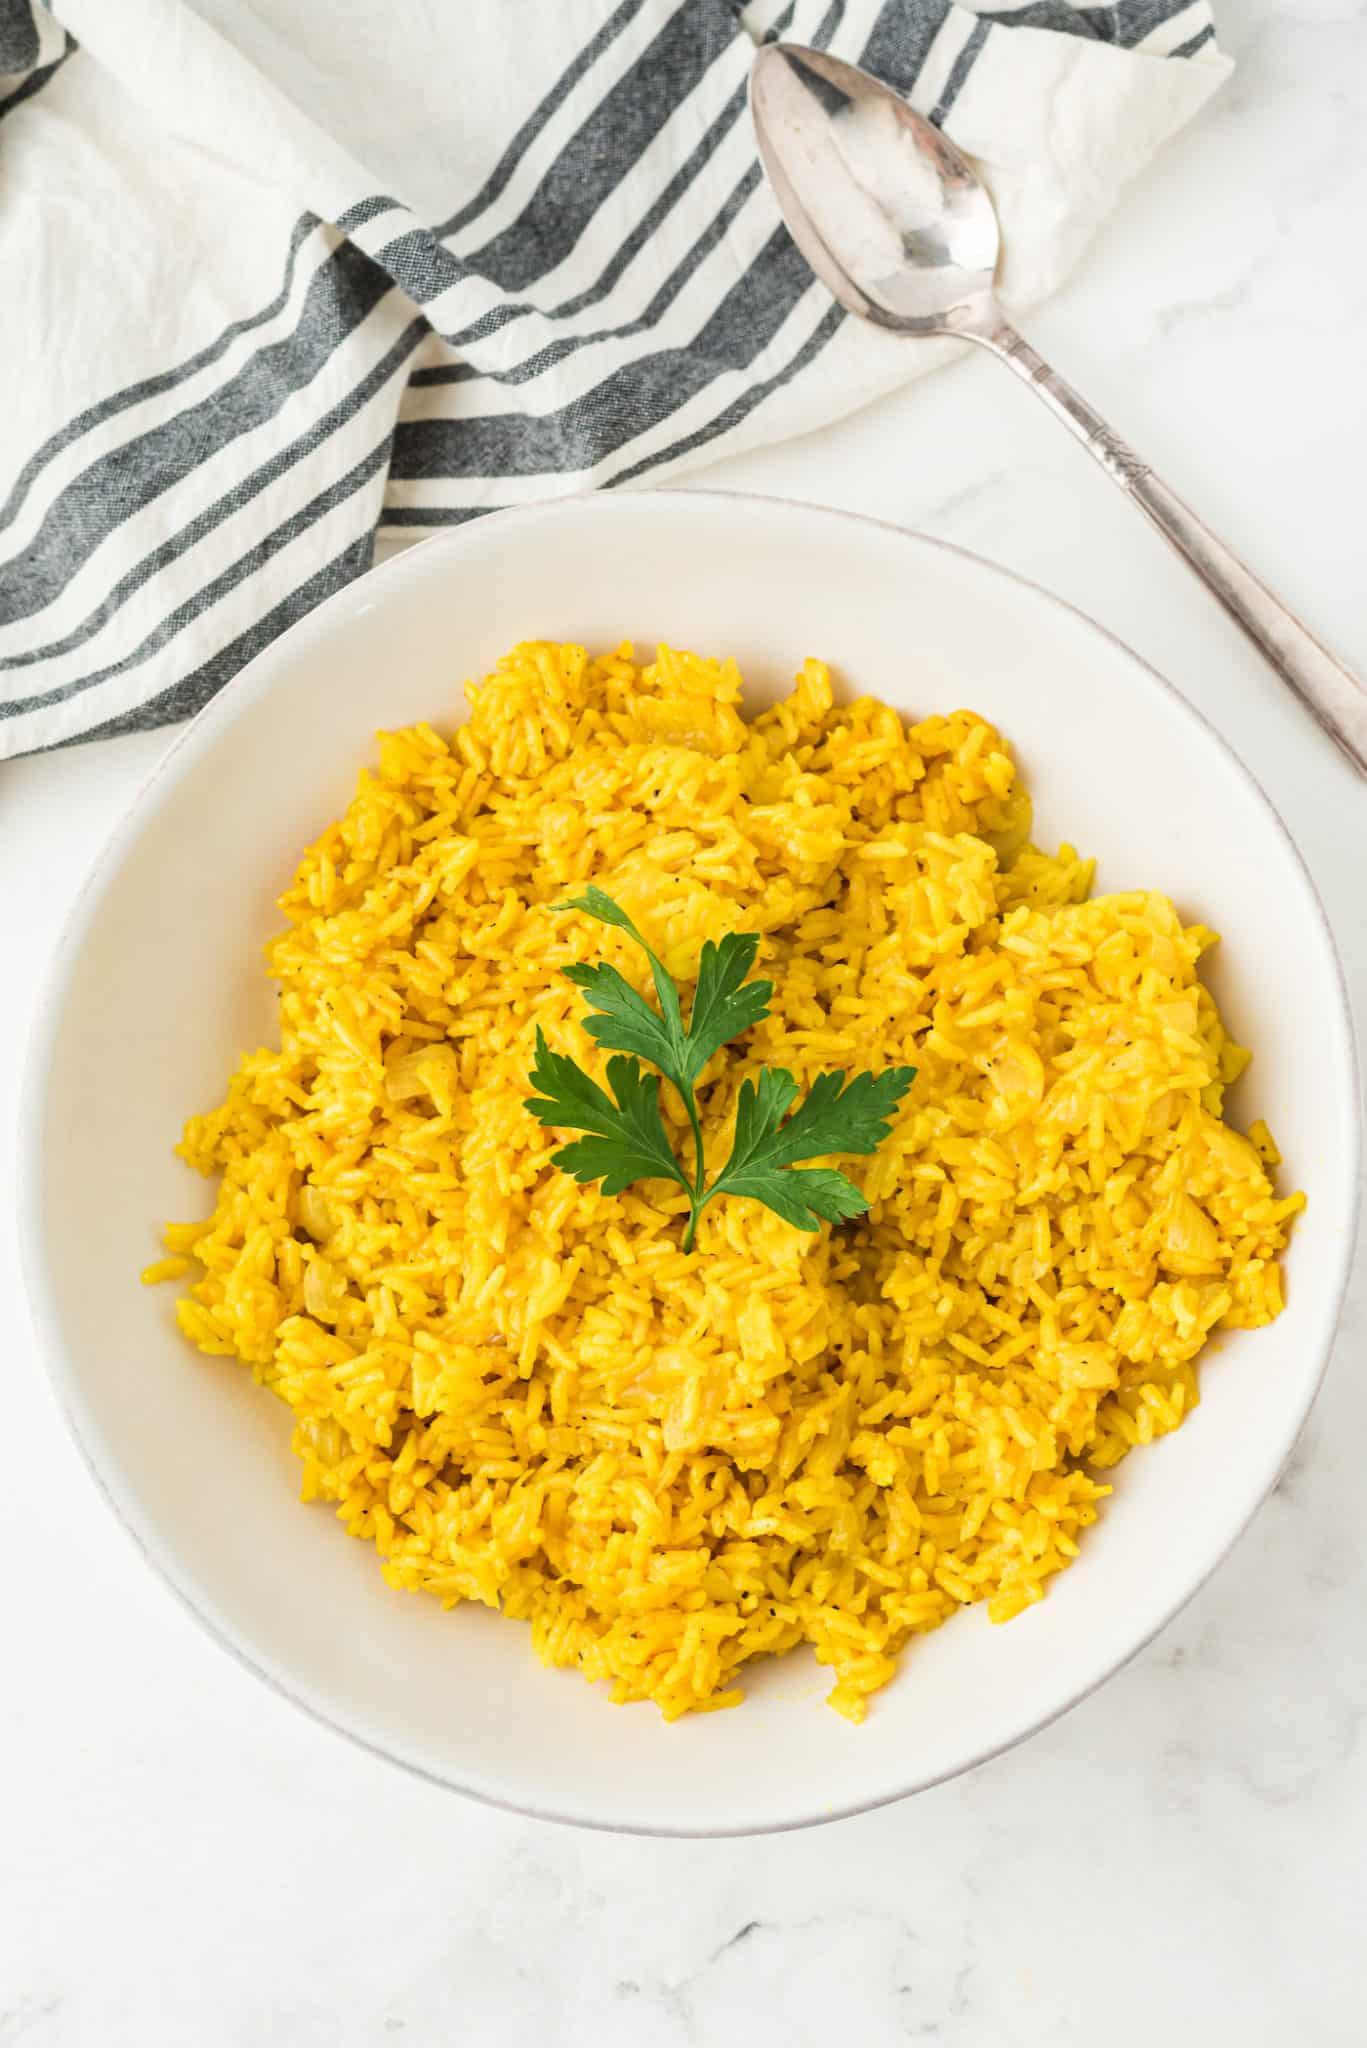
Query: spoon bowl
(892,217)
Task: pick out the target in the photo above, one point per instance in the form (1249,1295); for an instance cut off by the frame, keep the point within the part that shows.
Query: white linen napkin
(280,274)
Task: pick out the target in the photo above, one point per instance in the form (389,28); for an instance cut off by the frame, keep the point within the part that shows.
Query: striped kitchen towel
(278,275)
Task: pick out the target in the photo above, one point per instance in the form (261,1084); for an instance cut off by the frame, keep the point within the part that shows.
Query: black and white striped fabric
(278,275)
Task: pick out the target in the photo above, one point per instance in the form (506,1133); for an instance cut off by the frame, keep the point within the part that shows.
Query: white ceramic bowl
(158,986)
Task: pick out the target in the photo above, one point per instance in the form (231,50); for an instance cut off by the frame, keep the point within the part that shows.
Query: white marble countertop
(185,1859)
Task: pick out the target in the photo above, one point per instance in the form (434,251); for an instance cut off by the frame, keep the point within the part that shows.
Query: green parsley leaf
(597,903)
(627,1141)
(625,1021)
(803,1195)
(722,1008)
(835,1117)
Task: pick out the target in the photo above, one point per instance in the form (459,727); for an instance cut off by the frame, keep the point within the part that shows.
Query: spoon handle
(1329,691)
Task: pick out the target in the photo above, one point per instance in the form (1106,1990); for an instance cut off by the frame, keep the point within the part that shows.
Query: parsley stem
(698,1169)
(690,1102)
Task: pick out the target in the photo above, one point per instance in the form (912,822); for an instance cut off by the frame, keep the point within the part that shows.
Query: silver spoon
(894,219)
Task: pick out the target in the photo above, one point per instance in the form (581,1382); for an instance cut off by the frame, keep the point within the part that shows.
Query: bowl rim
(198,737)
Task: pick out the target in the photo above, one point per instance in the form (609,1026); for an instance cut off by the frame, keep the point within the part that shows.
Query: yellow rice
(519,1389)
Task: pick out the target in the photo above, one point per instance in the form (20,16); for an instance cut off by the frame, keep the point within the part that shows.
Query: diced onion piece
(430,1070)
(315,1213)
(325,1290)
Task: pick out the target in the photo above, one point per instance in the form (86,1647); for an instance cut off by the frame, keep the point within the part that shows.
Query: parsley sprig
(625,1138)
